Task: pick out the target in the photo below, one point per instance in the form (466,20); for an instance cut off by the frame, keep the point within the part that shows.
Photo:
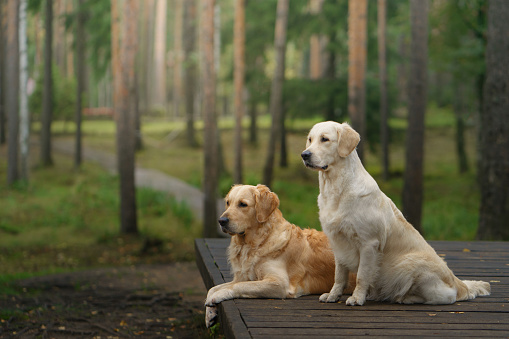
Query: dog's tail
(469,289)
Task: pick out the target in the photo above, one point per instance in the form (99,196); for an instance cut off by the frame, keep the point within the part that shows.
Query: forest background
(197,100)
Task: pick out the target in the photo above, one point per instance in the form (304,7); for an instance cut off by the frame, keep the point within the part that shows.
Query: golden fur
(370,236)
(270,257)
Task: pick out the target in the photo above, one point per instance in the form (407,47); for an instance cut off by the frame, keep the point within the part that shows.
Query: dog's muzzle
(306,158)
(224,221)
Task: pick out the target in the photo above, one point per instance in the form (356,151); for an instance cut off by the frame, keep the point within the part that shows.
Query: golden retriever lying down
(269,257)
(370,236)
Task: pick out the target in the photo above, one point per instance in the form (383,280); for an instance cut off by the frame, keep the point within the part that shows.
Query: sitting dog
(269,257)
(370,236)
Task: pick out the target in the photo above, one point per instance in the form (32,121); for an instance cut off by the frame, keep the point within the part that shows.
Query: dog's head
(327,142)
(246,208)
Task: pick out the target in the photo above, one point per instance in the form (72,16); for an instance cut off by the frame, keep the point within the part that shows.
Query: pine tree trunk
(124,48)
(159,70)
(238,80)
(357,56)
(384,109)
(80,81)
(494,210)
(177,57)
(3,53)
(209,116)
(12,91)
(417,99)
(276,96)
(190,69)
(47,97)
(24,126)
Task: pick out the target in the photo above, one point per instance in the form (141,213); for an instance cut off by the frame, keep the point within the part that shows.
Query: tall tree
(177,56)
(12,91)
(417,98)
(3,52)
(315,45)
(47,99)
(124,46)
(210,149)
(276,95)
(239,35)
(190,69)
(357,56)
(80,79)
(159,70)
(24,124)
(382,66)
(494,210)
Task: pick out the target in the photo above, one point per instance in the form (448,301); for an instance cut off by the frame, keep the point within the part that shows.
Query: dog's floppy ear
(266,203)
(348,139)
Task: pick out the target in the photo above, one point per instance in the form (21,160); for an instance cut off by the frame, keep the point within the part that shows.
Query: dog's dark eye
(309,139)
(241,204)
(324,139)
(227,203)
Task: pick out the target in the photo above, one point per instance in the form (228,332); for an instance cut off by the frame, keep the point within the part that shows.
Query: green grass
(67,220)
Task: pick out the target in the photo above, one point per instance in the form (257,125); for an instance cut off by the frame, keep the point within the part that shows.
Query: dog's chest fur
(243,261)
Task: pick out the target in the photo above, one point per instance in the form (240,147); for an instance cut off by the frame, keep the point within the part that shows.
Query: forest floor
(150,301)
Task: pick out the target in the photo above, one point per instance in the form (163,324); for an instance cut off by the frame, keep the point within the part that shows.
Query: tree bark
(384,109)
(315,45)
(177,57)
(417,99)
(460,108)
(494,209)
(24,125)
(124,48)
(209,116)
(190,71)
(357,55)
(80,81)
(159,70)
(238,80)
(3,85)
(276,96)
(47,99)
(12,91)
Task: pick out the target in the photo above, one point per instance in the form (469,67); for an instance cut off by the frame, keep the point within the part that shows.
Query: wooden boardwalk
(307,317)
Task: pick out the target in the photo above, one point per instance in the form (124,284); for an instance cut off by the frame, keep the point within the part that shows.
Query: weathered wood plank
(305,316)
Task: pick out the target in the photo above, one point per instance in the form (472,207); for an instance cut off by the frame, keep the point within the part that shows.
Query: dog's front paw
(329,298)
(218,297)
(210,316)
(355,300)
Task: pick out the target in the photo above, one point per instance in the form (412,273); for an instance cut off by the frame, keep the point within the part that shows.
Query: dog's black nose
(223,221)
(306,155)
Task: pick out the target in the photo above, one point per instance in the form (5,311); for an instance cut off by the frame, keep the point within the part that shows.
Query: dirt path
(160,301)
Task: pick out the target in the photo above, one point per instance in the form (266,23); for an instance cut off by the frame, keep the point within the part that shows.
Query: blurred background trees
(306,77)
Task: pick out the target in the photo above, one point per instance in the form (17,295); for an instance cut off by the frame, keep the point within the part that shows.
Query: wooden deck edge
(229,315)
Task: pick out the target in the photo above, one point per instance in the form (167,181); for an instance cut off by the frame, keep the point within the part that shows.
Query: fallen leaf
(123,323)
(432,314)
(172,319)
(466,250)
(494,280)
(62,328)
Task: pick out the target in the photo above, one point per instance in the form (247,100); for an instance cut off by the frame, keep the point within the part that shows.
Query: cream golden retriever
(370,236)
(270,257)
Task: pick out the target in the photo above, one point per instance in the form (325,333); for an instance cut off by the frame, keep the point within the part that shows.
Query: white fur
(370,236)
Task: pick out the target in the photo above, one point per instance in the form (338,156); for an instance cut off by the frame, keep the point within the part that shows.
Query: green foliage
(64,96)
